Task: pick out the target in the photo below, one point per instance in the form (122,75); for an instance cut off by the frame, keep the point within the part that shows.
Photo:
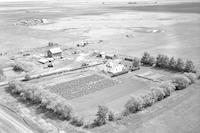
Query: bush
(162,61)
(27,77)
(181,82)
(76,121)
(191,76)
(125,112)
(101,116)
(189,66)
(147,98)
(172,64)
(158,93)
(111,116)
(21,65)
(180,65)
(166,91)
(136,62)
(151,61)
(18,68)
(147,59)
(168,86)
(159,60)
(134,104)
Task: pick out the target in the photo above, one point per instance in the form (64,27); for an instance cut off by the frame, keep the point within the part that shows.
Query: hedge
(170,87)
(148,99)
(193,77)
(43,97)
(164,62)
(181,82)
(147,59)
(76,121)
(134,104)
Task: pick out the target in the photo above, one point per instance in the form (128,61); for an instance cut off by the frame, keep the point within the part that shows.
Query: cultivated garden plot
(82,86)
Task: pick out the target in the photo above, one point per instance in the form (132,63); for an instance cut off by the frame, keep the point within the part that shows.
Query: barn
(54,52)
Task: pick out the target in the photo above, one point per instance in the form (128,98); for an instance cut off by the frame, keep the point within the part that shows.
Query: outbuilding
(110,56)
(54,52)
(43,60)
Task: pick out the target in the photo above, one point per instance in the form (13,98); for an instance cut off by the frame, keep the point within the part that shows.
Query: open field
(178,36)
(167,27)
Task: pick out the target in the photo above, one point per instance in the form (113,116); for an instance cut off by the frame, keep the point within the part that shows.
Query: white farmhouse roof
(55,50)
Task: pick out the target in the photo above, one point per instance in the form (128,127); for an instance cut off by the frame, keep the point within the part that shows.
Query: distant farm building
(51,44)
(129,58)
(96,53)
(54,52)
(110,56)
(82,44)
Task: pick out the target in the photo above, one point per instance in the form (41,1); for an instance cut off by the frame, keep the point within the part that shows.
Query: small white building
(43,60)
(54,52)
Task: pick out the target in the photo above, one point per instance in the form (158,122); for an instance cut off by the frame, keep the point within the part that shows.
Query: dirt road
(8,124)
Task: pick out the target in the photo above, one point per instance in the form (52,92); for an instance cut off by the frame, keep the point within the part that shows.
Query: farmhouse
(54,52)
(128,64)
(114,67)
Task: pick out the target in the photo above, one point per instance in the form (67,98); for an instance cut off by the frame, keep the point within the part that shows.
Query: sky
(23,0)
(104,0)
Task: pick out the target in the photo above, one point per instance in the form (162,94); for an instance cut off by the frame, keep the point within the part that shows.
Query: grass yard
(114,97)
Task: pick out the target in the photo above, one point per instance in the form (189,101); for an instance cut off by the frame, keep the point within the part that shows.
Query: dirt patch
(31,22)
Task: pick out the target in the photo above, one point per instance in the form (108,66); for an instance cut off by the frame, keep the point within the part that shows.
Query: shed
(110,56)
(54,52)
(128,58)
(43,60)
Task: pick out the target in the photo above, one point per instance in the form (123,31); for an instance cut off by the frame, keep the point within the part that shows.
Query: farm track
(157,109)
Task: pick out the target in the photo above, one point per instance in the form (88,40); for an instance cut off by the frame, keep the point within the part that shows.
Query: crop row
(71,90)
